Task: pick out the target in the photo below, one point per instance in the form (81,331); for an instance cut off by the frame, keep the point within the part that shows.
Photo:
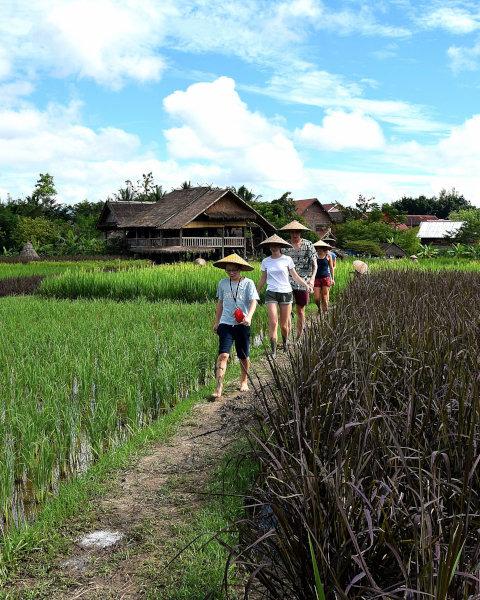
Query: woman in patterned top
(304,258)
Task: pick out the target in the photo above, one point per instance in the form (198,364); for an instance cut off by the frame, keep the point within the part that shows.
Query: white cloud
(451,18)
(342,131)
(109,41)
(217,125)
(308,86)
(464,59)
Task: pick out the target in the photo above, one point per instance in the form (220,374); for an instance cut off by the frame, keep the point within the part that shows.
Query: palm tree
(245,194)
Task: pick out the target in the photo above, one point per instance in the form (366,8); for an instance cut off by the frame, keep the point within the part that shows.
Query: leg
(220,374)
(324,293)
(225,342)
(300,319)
(242,346)
(285,312)
(272,325)
(316,297)
(245,364)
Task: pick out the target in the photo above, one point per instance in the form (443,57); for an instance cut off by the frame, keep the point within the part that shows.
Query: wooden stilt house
(199,220)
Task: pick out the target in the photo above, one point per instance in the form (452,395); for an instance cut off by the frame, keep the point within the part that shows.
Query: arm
(332,268)
(218,315)
(261,283)
(297,278)
(248,317)
(311,280)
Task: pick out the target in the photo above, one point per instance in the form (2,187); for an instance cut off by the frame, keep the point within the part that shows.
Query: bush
(365,247)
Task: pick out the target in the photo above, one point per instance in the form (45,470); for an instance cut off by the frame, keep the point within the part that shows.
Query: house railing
(188,242)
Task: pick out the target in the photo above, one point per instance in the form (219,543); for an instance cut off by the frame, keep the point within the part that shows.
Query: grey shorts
(278,297)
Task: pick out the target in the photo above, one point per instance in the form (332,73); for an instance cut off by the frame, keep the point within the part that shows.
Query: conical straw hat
(360,266)
(321,244)
(276,239)
(294,226)
(233,259)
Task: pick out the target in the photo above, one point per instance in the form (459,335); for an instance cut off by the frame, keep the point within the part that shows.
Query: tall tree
(469,232)
(245,194)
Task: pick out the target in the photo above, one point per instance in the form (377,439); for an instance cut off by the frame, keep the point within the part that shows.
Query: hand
(333,282)
(311,281)
(309,289)
(247,321)
(215,327)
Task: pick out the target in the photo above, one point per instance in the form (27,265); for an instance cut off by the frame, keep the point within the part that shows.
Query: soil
(146,506)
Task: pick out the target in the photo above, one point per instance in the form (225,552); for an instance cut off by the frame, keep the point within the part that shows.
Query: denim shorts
(278,297)
(240,334)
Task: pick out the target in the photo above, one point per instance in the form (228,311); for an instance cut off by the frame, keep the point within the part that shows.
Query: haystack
(28,252)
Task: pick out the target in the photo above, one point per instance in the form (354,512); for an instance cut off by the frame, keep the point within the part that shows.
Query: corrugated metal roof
(438,229)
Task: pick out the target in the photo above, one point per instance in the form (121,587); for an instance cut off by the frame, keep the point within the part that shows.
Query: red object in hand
(239,316)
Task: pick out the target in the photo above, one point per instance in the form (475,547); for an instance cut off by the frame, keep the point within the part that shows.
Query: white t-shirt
(277,273)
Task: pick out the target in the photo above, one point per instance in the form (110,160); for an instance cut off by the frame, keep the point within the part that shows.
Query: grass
(80,377)
(50,267)
(29,550)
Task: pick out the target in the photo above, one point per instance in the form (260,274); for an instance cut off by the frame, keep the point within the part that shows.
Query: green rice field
(78,377)
(19,269)
(101,354)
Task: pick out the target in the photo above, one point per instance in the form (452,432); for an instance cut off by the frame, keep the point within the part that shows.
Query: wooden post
(223,241)
(181,237)
(244,232)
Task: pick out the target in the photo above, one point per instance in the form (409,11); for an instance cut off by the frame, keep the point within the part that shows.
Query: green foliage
(469,233)
(365,247)
(362,229)
(447,202)
(246,195)
(8,223)
(427,251)
(38,230)
(278,212)
(145,190)
(84,217)
(82,376)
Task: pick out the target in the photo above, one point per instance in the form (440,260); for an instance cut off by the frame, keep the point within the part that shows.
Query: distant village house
(438,233)
(199,220)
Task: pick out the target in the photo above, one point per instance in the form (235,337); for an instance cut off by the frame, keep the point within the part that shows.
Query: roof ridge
(188,204)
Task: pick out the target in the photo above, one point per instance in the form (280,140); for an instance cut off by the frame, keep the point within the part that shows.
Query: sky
(324,99)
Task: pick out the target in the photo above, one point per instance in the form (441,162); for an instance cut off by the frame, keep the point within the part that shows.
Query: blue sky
(320,98)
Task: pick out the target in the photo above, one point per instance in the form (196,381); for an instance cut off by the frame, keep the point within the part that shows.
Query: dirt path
(151,500)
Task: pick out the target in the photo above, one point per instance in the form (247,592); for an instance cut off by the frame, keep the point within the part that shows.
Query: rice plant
(183,281)
(78,377)
(50,267)
(368,448)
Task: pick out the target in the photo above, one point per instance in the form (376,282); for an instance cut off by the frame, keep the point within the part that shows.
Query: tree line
(56,228)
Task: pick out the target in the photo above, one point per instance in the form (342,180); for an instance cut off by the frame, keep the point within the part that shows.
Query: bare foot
(244,388)
(217,394)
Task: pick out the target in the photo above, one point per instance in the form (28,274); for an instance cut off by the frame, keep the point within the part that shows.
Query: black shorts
(240,334)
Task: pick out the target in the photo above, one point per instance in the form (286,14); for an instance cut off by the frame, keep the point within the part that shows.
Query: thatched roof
(179,208)
(392,249)
(28,251)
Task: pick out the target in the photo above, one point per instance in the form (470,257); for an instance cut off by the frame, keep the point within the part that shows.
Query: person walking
(237,301)
(276,270)
(325,276)
(304,258)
